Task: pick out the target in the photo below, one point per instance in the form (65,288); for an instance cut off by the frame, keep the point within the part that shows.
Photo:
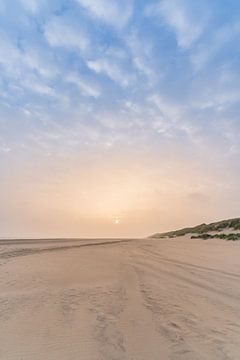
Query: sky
(118,118)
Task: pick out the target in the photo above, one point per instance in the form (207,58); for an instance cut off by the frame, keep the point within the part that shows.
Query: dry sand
(147,299)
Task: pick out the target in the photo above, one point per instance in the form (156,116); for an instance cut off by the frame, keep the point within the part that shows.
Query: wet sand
(110,299)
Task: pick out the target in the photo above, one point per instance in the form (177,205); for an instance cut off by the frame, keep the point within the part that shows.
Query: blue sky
(147,89)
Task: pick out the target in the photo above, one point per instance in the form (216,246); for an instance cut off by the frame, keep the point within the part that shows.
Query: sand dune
(119,299)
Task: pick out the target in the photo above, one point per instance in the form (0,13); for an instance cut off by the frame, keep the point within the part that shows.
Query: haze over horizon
(118,118)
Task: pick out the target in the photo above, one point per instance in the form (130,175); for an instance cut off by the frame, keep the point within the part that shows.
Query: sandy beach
(119,299)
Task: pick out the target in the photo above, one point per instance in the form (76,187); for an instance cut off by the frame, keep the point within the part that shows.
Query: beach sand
(146,299)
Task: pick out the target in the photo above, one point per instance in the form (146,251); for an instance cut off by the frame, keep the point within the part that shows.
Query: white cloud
(114,12)
(142,55)
(59,32)
(16,62)
(211,46)
(179,15)
(35,85)
(4,149)
(85,87)
(11,53)
(116,120)
(26,70)
(111,69)
(169,110)
(31,6)
(40,60)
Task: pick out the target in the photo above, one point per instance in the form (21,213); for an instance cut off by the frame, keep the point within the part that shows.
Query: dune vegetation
(203,229)
(206,236)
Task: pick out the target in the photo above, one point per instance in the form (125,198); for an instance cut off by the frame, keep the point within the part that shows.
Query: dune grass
(203,229)
(231,236)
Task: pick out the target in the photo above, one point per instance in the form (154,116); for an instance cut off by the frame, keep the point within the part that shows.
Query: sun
(116,221)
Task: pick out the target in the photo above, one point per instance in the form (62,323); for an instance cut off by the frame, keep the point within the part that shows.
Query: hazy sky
(118,117)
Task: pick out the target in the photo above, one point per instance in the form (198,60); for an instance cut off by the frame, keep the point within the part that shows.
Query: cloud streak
(115,13)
